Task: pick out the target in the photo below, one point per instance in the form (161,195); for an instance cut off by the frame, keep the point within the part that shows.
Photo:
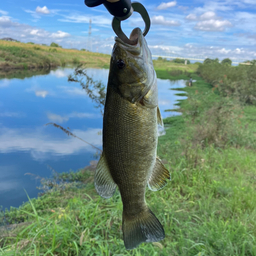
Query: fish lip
(132,48)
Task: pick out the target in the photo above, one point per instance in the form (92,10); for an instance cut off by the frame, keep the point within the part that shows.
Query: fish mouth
(136,36)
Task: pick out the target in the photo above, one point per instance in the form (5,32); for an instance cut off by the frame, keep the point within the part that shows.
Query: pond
(28,146)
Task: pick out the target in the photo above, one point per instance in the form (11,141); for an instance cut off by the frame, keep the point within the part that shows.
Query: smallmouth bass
(130,136)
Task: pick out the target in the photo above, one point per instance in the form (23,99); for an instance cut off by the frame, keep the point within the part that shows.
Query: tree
(55,45)
(208,61)
(226,61)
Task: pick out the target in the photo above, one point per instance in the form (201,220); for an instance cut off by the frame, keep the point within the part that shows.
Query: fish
(129,159)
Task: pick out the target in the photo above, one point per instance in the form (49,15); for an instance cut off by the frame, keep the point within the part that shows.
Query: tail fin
(144,227)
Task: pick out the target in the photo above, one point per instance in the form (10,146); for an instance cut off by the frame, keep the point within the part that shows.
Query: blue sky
(195,28)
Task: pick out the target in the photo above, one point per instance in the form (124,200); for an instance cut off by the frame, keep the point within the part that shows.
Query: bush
(75,61)
(209,61)
(37,48)
(226,61)
(55,45)
(176,72)
(238,82)
(52,50)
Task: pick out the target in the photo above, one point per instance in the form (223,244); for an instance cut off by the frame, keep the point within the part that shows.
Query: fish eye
(120,64)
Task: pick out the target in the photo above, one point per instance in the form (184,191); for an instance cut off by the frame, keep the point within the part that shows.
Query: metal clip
(116,23)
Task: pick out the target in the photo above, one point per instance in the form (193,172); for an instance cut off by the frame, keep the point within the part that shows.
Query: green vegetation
(55,45)
(15,55)
(209,61)
(23,73)
(238,82)
(171,70)
(208,208)
(226,61)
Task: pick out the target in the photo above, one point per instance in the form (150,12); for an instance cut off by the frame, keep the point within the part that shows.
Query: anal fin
(103,181)
(159,176)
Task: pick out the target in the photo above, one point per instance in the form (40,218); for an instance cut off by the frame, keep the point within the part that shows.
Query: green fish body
(130,138)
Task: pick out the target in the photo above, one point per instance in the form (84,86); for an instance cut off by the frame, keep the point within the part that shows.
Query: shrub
(55,45)
(176,72)
(52,50)
(75,61)
(238,82)
(227,61)
(182,61)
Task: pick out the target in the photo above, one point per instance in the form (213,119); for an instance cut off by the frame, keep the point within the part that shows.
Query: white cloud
(3,12)
(60,34)
(11,114)
(42,94)
(96,20)
(57,118)
(205,16)
(208,16)
(202,52)
(213,25)
(164,6)
(5,22)
(249,1)
(191,17)
(160,20)
(223,51)
(24,32)
(43,10)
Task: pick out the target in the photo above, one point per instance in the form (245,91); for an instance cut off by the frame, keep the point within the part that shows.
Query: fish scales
(130,136)
(130,152)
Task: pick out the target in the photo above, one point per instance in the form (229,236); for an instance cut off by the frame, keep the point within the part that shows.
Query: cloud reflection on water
(4,82)
(60,119)
(42,94)
(40,143)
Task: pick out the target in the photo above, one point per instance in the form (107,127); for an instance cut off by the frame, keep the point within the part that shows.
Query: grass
(175,71)
(16,55)
(208,208)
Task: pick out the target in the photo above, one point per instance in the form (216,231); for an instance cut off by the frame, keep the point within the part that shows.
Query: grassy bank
(208,208)
(15,55)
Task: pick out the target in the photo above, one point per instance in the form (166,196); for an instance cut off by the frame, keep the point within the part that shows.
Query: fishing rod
(122,10)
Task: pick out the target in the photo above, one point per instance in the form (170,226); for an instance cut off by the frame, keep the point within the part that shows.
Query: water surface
(28,146)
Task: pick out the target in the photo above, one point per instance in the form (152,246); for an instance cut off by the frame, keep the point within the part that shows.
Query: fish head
(131,69)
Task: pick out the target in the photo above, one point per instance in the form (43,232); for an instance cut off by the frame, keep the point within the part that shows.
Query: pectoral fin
(159,176)
(159,117)
(103,181)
